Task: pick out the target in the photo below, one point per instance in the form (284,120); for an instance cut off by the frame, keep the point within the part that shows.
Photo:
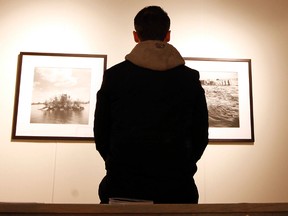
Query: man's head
(152,23)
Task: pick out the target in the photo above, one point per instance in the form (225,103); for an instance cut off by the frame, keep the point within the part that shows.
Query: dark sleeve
(102,119)
(201,125)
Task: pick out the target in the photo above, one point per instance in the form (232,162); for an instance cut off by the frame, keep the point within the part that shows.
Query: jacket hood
(155,55)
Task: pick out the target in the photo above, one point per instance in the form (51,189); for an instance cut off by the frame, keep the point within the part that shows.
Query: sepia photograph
(228,89)
(221,89)
(61,96)
(56,95)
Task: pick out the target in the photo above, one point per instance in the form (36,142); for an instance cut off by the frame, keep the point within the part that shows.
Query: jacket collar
(155,55)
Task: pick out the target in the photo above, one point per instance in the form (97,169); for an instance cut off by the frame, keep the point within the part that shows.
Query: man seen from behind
(151,119)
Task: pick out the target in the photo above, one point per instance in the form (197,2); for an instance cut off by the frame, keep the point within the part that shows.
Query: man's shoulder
(187,71)
(190,69)
(120,66)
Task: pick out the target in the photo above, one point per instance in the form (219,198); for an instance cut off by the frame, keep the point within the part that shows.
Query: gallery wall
(69,172)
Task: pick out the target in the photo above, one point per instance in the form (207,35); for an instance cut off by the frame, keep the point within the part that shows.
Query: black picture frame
(55,95)
(228,88)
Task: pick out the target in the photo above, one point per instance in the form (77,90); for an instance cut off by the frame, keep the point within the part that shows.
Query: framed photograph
(228,89)
(56,95)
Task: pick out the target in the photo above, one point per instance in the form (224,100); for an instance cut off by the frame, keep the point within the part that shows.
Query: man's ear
(136,38)
(167,37)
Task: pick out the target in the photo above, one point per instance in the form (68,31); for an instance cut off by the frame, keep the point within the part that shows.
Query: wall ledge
(237,209)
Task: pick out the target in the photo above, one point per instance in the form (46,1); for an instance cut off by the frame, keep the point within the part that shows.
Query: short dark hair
(152,23)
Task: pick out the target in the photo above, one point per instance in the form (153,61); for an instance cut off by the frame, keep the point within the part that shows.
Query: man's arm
(201,126)
(102,121)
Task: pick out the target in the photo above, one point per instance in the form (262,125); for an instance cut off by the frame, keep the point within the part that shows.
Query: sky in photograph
(218,75)
(51,82)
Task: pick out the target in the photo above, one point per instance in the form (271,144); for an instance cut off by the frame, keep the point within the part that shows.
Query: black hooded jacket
(151,117)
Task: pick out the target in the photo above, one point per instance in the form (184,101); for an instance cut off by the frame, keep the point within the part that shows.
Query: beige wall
(56,172)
